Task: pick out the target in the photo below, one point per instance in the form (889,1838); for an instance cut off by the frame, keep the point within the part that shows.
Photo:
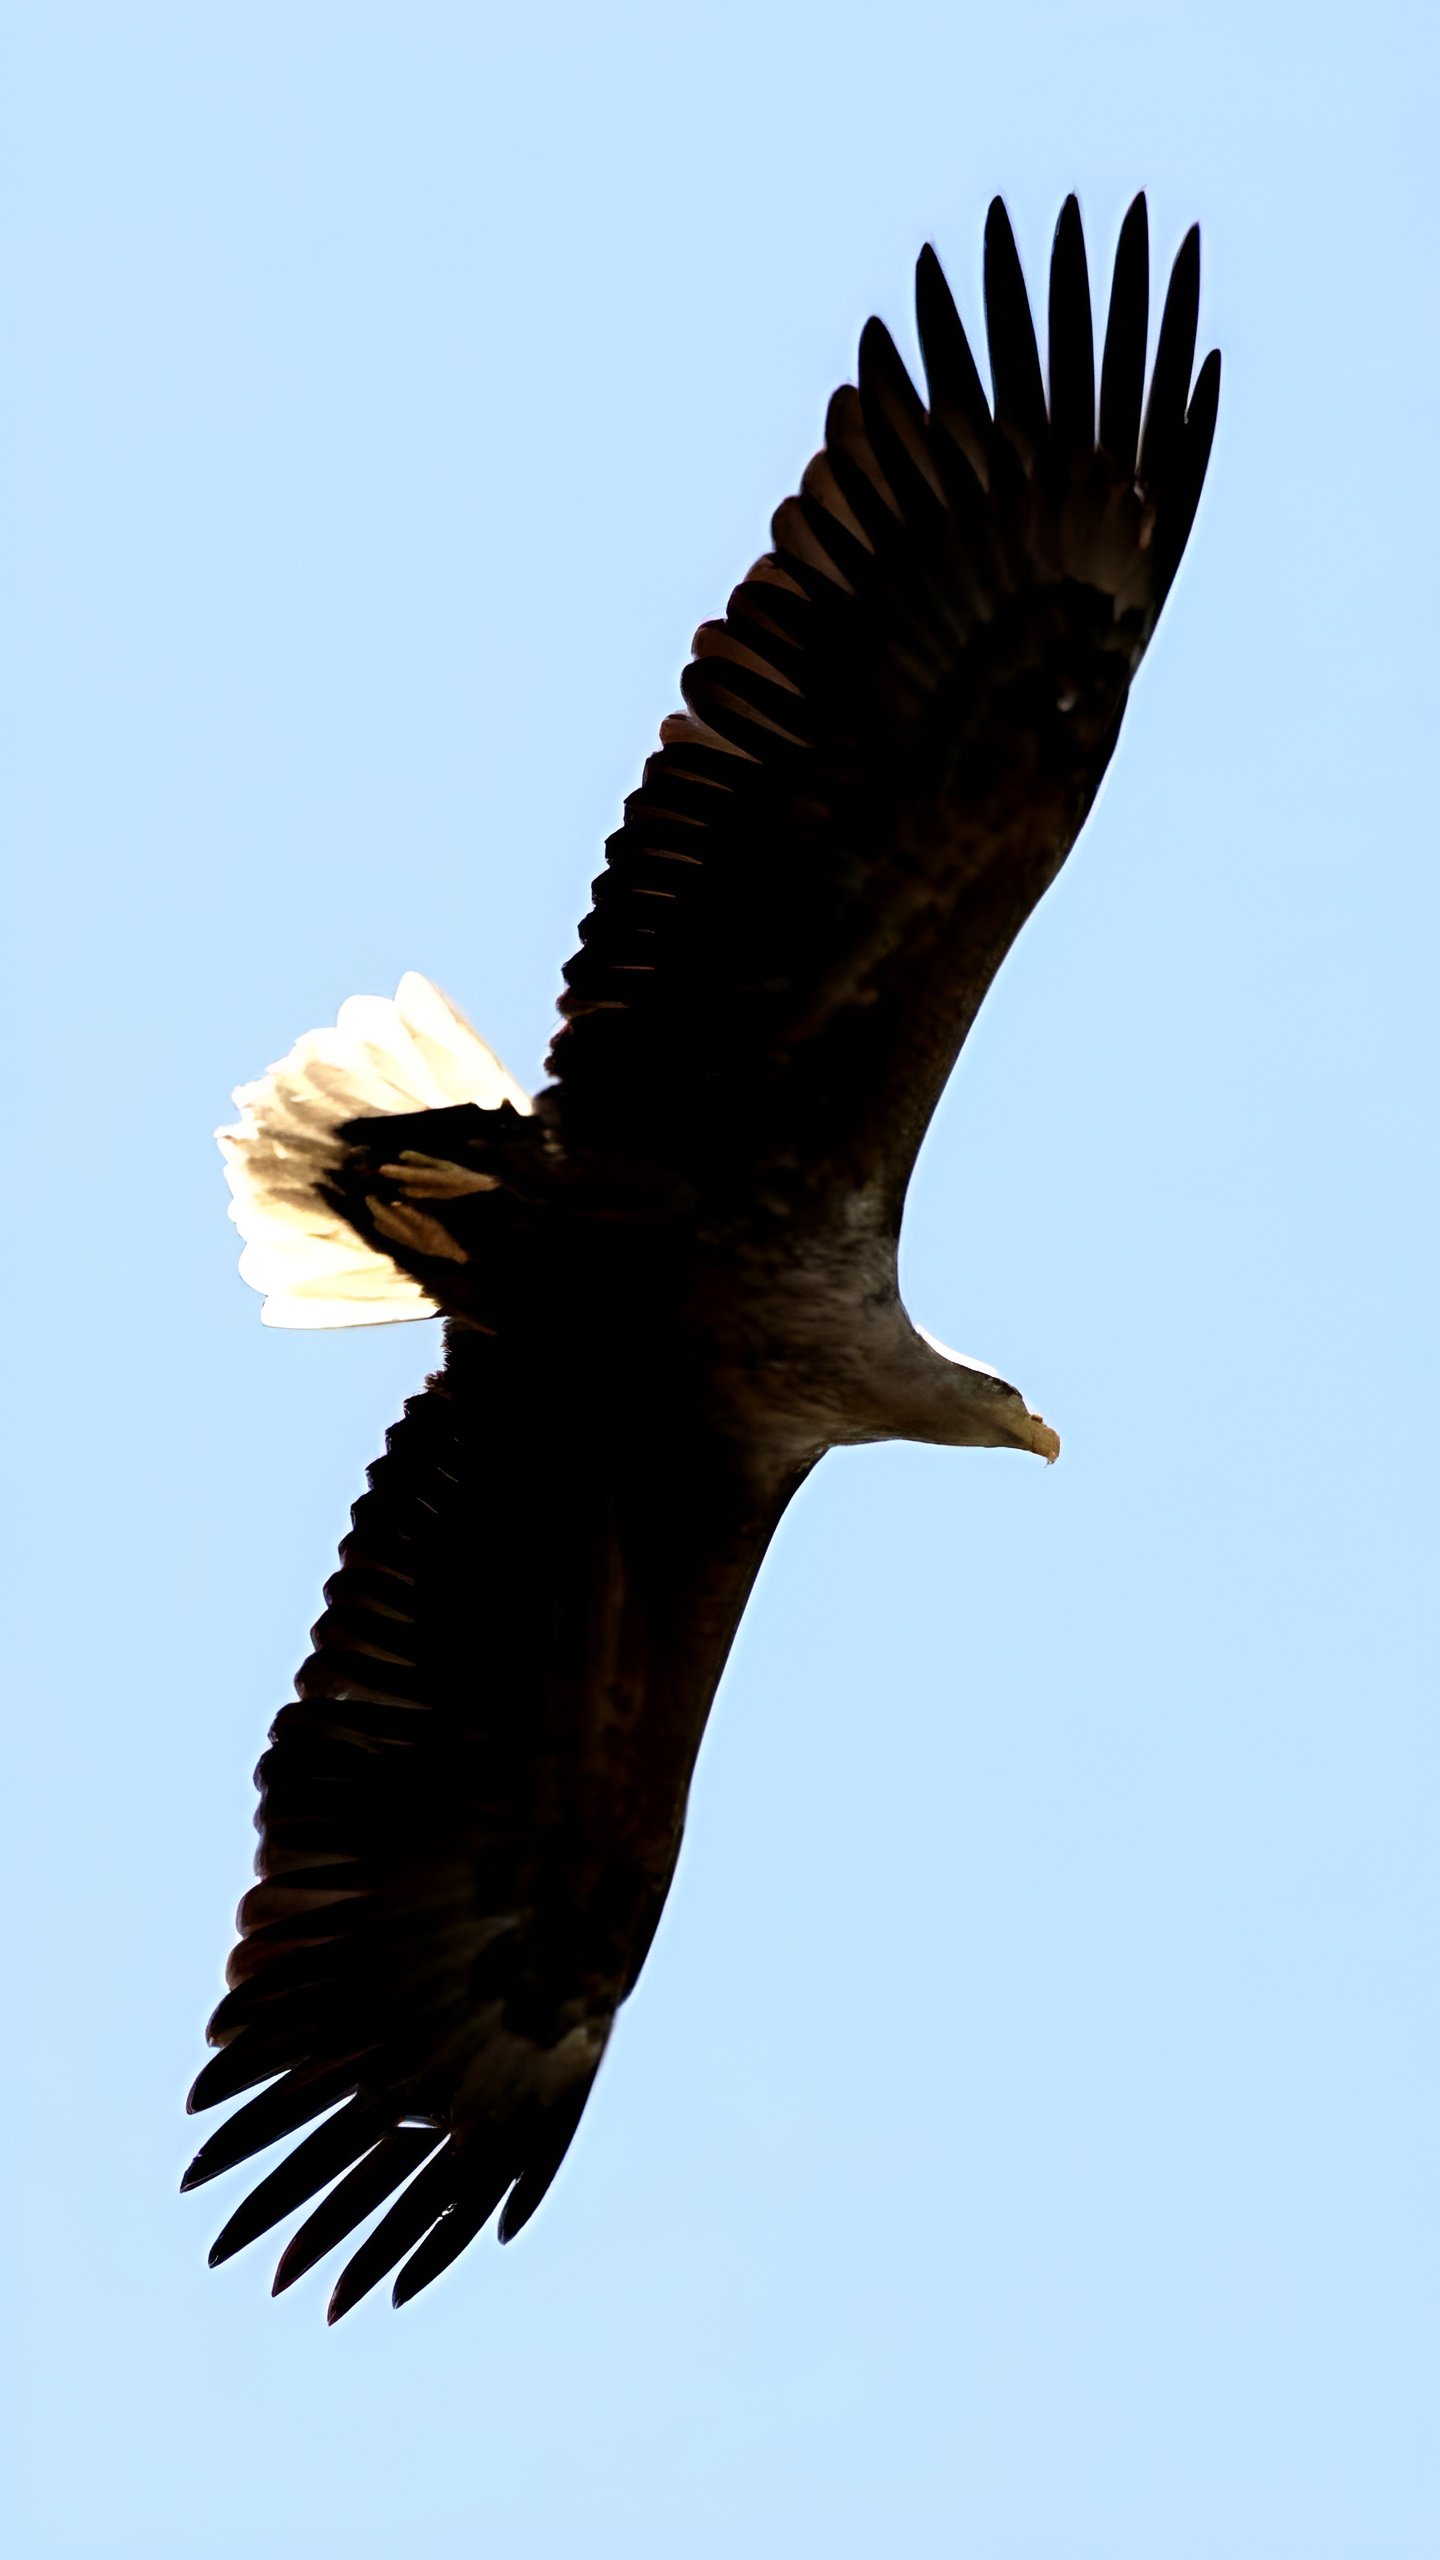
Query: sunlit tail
(382,1058)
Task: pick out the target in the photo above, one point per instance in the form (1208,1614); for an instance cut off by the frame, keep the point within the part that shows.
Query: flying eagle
(669,1278)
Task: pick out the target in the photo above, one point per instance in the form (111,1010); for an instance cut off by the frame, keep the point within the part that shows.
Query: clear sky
(1023,2145)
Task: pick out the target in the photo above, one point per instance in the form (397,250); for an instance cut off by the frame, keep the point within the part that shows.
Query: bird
(668,1279)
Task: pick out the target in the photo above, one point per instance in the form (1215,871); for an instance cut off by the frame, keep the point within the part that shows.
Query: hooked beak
(1033,1433)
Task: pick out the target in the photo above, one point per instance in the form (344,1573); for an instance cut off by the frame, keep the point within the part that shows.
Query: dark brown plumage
(671,1286)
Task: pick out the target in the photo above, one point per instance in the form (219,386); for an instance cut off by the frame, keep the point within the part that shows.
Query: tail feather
(382,1058)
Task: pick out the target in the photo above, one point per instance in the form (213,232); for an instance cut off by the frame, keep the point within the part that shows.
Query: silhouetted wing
(471,1813)
(892,738)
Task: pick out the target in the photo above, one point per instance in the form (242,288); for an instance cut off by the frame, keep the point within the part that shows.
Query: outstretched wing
(471,1813)
(893,736)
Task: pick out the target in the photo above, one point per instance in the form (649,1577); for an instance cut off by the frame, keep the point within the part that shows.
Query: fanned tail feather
(383,1057)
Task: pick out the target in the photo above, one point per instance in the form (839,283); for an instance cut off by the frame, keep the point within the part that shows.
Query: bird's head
(973,1407)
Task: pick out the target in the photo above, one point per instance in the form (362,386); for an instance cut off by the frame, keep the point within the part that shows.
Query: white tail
(415,1054)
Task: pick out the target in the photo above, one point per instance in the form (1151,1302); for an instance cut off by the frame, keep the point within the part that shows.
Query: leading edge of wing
(931,547)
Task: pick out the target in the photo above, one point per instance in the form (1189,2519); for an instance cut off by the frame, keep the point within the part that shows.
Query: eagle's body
(670,1280)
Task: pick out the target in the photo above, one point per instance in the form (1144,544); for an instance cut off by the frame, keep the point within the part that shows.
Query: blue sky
(1023,2143)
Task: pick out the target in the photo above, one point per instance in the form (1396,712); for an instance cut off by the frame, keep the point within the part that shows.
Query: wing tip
(1205,398)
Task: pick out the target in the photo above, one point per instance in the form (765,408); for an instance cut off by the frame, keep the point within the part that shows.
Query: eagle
(668,1279)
